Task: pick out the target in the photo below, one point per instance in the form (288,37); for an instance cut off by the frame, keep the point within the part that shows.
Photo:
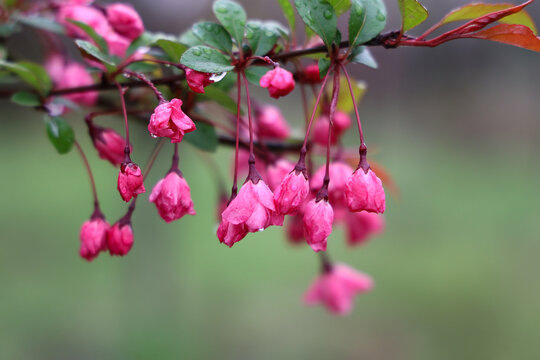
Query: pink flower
(130,181)
(67,74)
(318,219)
(364,191)
(229,234)
(125,20)
(168,120)
(271,123)
(361,226)
(279,82)
(109,144)
(197,80)
(336,289)
(172,197)
(85,14)
(291,193)
(339,173)
(295,229)
(312,74)
(277,171)
(93,237)
(253,208)
(117,44)
(342,122)
(120,238)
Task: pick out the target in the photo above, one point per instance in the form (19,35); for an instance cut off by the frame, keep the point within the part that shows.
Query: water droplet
(249,35)
(261,229)
(196,52)
(153,135)
(217,77)
(268,33)
(327,14)
(207,51)
(359,11)
(222,10)
(209,27)
(380,16)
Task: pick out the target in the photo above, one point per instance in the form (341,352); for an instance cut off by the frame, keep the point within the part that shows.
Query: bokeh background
(456,270)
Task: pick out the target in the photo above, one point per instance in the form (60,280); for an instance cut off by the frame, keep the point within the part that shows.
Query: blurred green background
(456,270)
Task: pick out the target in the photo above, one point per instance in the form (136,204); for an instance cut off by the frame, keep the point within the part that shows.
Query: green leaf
(255,73)
(345,103)
(288,11)
(362,55)
(33,74)
(41,23)
(204,138)
(206,59)
(233,18)
(146,39)
(60,133)
(173,49)
(190,40)
(41,75)
(366,20)
(412,14)
(92,34)
(324,65)
(340,6)
(89,50)
(261,37)
(212,93)
(26,99)
(213,34)
(320,16)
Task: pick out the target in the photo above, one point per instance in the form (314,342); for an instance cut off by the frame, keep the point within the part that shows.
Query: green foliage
(255,73)
(320,16)
(366,20)
(340,6)
(98,39)
(213,34)
(25,98)
(288,12)
(173,49)
(206,59)
(31,73)
(412,13)
(324,65)
(362,55)
(41,23)
(91,51)
(261,37)
(213,93)
(204,138)
(60,133)
(233,18)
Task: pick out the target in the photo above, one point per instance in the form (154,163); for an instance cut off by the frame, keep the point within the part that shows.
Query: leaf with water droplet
(320,17)
(205,59)
(367,19)
(412,14)
(261,37)
(362,55)
(233,18)
(60,133)
(173,49)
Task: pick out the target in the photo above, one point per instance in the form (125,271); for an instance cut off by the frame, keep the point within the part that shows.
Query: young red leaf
(517,35)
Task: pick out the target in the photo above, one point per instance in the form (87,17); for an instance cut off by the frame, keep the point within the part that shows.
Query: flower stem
(152,158)
(234,190)
(360,132)
(150,84)
(127,149)
(253,174)
(90,174)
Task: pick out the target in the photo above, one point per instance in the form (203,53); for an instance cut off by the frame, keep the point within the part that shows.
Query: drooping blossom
(336,288)
(318,219)
(360,226)
(291,192)
(279,82)
(364,191)
(125,20)
(93,237)
(339,173)
(168,120)
(88,15)
(120,238)
(342,121)
(312,74)
(109,144)
(197,80)
(271,123)
(117,44)
(172,197)
(229,233)
(130,181)
(277,171)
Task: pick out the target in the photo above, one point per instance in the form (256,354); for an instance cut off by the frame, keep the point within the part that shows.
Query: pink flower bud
(93,237)
(291,193)
(130,181)
(272,124)
(109,144)
(318,219)
(117,44)
(197,80)
(279,82)
(168,120)
(361,226)
(339,173)
(120,238)
(364,191)
(336,289)
(342,122)
(125,20)
(253,208)
(229,234)
(85,14)
(312,74)
(277,171)
(172,197)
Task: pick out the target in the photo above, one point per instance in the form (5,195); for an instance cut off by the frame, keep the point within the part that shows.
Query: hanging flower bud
(339,173)
(342,122)
(172,197)
(125,20)
(117,44)
(361,226)
(109,144)
(130,181)
(229,234)
(279,82)
(253,208)
(93,236)
(168,120)
(336,288)
(318,219)
(291,192)
(277,171)
(364,191)
(197,80)
(271,123)
(312,74)
(120,238)
(66,74)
